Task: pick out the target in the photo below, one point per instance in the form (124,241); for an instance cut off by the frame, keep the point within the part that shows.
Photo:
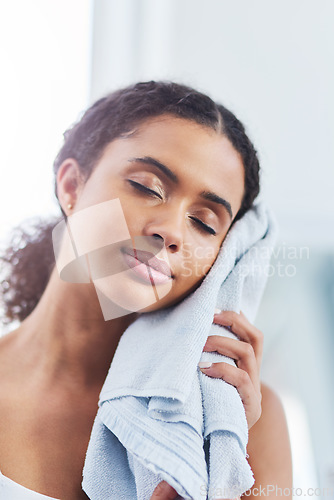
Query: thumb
(164,492)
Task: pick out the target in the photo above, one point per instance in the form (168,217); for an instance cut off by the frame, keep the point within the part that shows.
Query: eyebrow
(207,195)
(152,161)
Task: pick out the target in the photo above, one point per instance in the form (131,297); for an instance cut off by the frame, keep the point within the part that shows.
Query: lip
(149,260)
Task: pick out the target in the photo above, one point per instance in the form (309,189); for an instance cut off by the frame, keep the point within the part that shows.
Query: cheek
(133,217)
(95,192)
(197,261)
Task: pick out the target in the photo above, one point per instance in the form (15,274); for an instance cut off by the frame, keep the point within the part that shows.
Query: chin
(165,303)
(131,294)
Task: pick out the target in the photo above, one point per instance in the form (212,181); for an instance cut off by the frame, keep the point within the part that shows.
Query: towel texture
(161,418)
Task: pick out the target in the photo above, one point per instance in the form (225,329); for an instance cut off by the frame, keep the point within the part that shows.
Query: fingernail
(204,364)
(218,311)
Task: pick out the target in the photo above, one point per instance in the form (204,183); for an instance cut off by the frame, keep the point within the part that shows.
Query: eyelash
(144,189)
(201,225)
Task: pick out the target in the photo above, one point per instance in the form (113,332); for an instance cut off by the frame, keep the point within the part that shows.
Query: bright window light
(45,62)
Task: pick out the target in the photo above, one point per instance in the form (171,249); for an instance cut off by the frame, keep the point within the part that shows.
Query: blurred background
(272,63)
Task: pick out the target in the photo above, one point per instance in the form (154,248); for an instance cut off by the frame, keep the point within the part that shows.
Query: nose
(168,228)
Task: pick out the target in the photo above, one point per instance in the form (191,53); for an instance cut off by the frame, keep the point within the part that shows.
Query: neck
(66,340)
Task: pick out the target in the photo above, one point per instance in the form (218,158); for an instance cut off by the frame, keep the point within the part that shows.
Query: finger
(251,398)
(234,376)
(164,492)
(240,325)
(241,352)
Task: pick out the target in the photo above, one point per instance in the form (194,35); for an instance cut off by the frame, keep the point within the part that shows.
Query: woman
(156,147)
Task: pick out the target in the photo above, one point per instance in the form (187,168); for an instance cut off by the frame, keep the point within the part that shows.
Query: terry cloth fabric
(159,417)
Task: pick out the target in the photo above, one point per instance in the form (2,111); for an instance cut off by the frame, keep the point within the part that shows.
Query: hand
(164,492)
(247,352)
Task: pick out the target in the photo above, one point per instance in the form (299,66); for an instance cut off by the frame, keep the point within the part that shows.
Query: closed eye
(144,189)
(203,227)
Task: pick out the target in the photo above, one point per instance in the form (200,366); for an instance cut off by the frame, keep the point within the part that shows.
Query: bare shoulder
(272,424)
(269,444)
(272,407)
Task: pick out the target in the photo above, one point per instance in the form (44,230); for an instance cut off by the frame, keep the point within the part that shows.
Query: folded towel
(161,418)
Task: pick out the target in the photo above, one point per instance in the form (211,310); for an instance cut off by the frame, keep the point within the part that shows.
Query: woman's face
(180,185)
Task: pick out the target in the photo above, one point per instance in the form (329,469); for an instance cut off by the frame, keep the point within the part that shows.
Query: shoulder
(269,444)
(271,403)
(272,418)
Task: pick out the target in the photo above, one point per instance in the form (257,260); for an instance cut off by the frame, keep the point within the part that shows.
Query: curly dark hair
(27,263)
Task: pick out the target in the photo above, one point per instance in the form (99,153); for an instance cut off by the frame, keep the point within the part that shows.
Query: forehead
(184,145)
(192,140)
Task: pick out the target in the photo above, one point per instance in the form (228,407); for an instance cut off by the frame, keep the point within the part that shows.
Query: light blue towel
(161,418)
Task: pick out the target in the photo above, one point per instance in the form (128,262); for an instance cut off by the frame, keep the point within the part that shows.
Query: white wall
(45,66)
